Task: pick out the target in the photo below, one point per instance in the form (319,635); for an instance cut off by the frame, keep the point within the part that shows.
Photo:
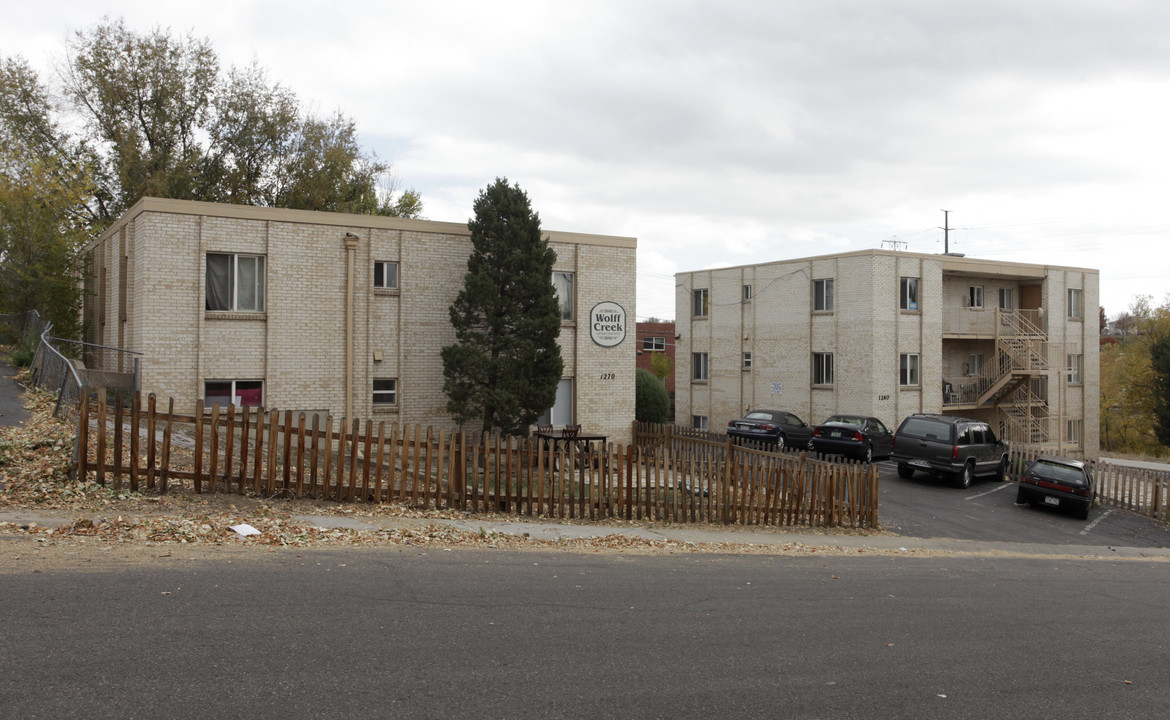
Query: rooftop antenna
(946,228)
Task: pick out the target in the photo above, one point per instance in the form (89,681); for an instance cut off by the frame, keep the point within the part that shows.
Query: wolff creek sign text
(607,324)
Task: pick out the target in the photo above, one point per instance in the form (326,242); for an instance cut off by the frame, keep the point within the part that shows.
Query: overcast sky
(739,132)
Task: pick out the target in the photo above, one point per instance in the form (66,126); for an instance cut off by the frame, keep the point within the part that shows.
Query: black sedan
(1057,482)
(861,437)
(772,427)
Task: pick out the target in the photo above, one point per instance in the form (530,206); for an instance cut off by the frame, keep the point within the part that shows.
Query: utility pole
(946,228)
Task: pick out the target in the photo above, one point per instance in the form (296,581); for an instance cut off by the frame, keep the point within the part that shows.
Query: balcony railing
(993,322)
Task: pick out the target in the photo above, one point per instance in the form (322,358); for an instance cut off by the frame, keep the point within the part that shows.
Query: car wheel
(1020,498)
(869,453)
(1001,471)
(963,477)
(779,443)
(905,471)
(1083,514)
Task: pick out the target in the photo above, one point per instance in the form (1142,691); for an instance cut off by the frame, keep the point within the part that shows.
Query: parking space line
(1093,524)
(1001,487)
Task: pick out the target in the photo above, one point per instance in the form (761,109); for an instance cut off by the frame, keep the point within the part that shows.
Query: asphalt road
(505,634)
(925,507)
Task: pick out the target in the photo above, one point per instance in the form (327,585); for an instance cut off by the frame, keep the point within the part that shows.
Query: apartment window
(1075,364)
(975,364)
(822,368)
(975,296)
(747,361)
(1073,430)
(1074,304)
(823,295)
(561,413)
(699,369)
(385,392)
(654,344)
(699,422)
(908,376)
(909,293)
(699,306)
(747,293)
(1007,299)
(241,393)
(235,282)
(386,275)
(563,284)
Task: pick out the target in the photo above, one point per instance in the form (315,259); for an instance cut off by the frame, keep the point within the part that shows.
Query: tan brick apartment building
(311,311)
(888,334)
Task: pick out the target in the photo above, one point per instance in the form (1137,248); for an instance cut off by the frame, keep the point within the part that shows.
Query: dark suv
(947,446)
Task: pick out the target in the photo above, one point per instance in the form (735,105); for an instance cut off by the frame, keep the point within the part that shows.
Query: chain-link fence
(54,370)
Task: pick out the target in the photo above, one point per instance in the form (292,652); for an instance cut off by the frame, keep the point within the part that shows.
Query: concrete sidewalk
(754,536)
(12,410)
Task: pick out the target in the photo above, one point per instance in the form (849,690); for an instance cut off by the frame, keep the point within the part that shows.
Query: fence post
(725,492)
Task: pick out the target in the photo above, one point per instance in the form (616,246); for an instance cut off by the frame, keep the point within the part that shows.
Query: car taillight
(954,452)
(816,432)
(767,427)
(730,423)
(857,437)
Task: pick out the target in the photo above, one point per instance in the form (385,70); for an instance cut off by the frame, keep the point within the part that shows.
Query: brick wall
(297,347)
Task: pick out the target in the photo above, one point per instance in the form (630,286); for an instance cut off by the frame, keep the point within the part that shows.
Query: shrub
(652,402)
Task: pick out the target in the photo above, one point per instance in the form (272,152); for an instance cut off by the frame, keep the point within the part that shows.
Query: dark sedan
(772,427)
(861,437)
(1057,482)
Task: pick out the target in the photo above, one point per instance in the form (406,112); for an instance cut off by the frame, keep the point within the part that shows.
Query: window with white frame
(747,293)
(386,275)
(909,295)
(823,295)
(1007,299)
(563,284)
(1073,430)
(241,393)
(975,296)
(699,303)
(699,369)
(975,364)
(654,344)
(908,370)
(1075,308)
(822,371)
(747,361)
(699,422)
(385,392)
(235,283)
(1075,365)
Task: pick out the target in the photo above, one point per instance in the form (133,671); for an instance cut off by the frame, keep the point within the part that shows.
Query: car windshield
(850,419)
(1057,472)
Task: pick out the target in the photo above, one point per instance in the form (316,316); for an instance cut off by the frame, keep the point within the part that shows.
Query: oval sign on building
(607,324)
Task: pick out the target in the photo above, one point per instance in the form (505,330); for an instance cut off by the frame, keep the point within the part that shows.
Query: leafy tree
(1160,363)
(661,365)
(42,193)
(158,117)
(505,364)
(652,401)
(1130,381)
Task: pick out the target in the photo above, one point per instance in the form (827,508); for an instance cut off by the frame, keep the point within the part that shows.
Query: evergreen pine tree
(505,364)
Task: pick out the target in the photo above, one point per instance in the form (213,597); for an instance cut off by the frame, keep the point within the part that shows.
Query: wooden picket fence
(267,453)
(1144,491)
